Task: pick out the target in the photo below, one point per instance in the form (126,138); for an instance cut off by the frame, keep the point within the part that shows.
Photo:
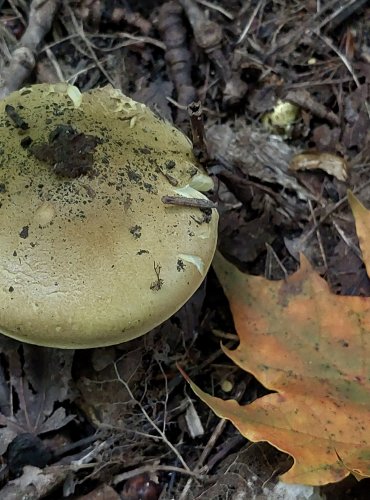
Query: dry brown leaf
(312,348)
(39,378)
(314,160)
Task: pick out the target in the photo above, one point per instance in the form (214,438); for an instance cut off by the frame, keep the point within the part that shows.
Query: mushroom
(91,255)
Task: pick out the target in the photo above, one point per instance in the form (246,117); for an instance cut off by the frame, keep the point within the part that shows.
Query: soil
(275,79)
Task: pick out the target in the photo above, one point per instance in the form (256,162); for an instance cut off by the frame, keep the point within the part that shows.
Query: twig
(331,211)
(318,235)
(218,8)
(317,22)
(210,445)
(195,111)
(55,64)
(347,241)
(130,40)
(341,56)
(225,335)
(280,264)
(80,30)
(305,100)
(339,14)
(181,201)
(87,68)
(346,63)
(249,23)
(153,468)
(153,424)
(206,451)
(23,59)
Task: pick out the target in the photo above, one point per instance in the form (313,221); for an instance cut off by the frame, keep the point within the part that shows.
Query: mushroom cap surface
(90,254)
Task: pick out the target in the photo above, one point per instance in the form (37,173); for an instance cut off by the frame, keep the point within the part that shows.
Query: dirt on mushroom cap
(91,255)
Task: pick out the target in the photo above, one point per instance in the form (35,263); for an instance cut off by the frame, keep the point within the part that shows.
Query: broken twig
(181,201)
(197,129)
(23,59)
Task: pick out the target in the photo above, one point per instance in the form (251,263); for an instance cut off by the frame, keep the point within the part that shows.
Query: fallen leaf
(315,160)
(99,390)
(267,159)
(39,378)
(312,348)
(35,483)
(362,221)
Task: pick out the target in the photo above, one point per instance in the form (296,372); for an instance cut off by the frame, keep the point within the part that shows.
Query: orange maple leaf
(313,348)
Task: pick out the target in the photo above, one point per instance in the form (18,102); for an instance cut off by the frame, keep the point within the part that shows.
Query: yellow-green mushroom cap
(90,253)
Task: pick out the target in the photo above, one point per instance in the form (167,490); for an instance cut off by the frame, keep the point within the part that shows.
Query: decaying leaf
(38,379)
(35,483)
(267,159)
(312,348)
(314,160)
(362,220)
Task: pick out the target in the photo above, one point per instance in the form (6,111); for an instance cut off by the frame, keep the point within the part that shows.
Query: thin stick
(318,234)
(206,451)
(23,59)
(153,468)
(332,210)
(200,149)
(280,264)
(181,201)
(346,63)
(347,241)
(249,23)
(80,30)
(153,424)
(218,8)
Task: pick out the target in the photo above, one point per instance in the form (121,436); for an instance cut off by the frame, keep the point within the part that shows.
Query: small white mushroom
(90,254)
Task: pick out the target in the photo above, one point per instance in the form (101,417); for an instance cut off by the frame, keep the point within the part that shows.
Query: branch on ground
(41,16)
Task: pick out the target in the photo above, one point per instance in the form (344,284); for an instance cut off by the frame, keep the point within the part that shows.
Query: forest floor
(276,79)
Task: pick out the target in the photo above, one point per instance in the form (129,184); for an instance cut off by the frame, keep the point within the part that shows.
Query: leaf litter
(33,390)
(313,54)
(310,347)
